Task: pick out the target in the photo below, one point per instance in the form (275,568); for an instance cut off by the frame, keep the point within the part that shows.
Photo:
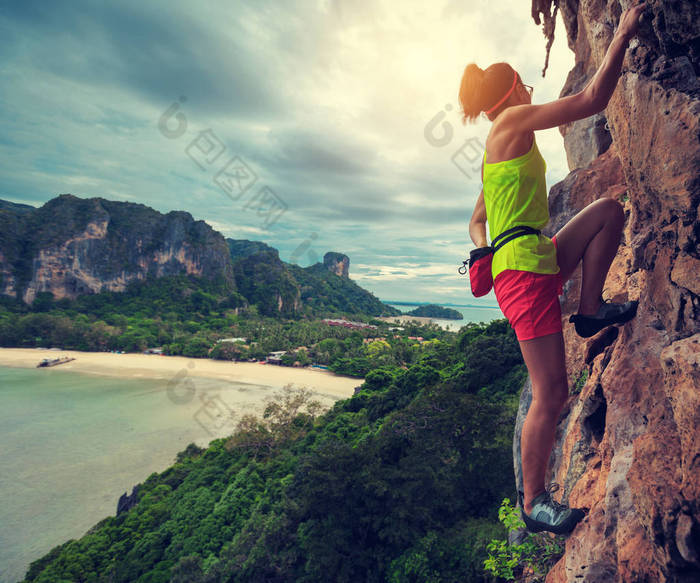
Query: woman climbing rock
(528,268)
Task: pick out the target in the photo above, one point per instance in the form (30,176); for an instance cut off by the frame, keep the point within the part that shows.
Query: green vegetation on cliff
(336,296)
(401,482)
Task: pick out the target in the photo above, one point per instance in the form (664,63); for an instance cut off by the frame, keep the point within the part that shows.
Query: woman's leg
(593,236)
(546,363)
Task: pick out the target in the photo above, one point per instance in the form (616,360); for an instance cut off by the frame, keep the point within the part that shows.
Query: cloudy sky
(311,125)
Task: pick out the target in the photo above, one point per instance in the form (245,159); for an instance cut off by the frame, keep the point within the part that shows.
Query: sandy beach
(136,365)
(404,318)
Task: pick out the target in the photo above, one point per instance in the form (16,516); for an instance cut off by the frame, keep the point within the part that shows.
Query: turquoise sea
(472,313)
(73,443)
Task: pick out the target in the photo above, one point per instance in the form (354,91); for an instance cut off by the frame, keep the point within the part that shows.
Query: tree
(101,336)
(43,302)
(377,348)
(288,417)
(134,341)
(303,357)
(196,348)
(287,359)
(187,570)
(379,378)
(229,351)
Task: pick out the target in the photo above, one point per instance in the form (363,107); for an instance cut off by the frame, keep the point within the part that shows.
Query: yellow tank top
(515,193)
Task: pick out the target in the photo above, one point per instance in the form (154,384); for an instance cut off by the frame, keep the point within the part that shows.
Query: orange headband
(515,78)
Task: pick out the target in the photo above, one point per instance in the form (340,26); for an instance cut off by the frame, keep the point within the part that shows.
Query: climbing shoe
(607,314)
(547,514)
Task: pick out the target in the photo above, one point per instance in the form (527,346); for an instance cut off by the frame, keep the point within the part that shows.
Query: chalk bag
(479,262)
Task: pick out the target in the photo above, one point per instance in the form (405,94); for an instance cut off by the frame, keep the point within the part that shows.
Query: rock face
(72,246)
(127,502)
(628,442)
(337,263)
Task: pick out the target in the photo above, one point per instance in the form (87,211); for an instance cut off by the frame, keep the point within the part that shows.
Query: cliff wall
(71,246)
(628,442)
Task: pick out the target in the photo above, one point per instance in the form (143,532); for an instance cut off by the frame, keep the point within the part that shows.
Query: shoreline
(155,366)
(443,323)
(405,318)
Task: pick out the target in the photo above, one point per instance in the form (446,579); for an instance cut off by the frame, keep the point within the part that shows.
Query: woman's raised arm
(591,99)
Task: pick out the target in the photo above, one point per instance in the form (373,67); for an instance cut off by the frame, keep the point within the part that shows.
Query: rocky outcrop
(127,502)
(72,246)
(337,263)
(628,442)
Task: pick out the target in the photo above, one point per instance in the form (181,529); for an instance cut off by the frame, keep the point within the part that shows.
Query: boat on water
(54,361)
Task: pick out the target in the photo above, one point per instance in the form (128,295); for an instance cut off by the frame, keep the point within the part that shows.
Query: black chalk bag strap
(480,278)
(508,235)
(505,237)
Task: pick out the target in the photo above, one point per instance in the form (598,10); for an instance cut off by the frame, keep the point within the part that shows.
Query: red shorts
(530,301)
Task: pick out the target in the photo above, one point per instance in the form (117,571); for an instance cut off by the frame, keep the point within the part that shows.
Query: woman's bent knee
(612,210)
(553,397)
(548,409)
